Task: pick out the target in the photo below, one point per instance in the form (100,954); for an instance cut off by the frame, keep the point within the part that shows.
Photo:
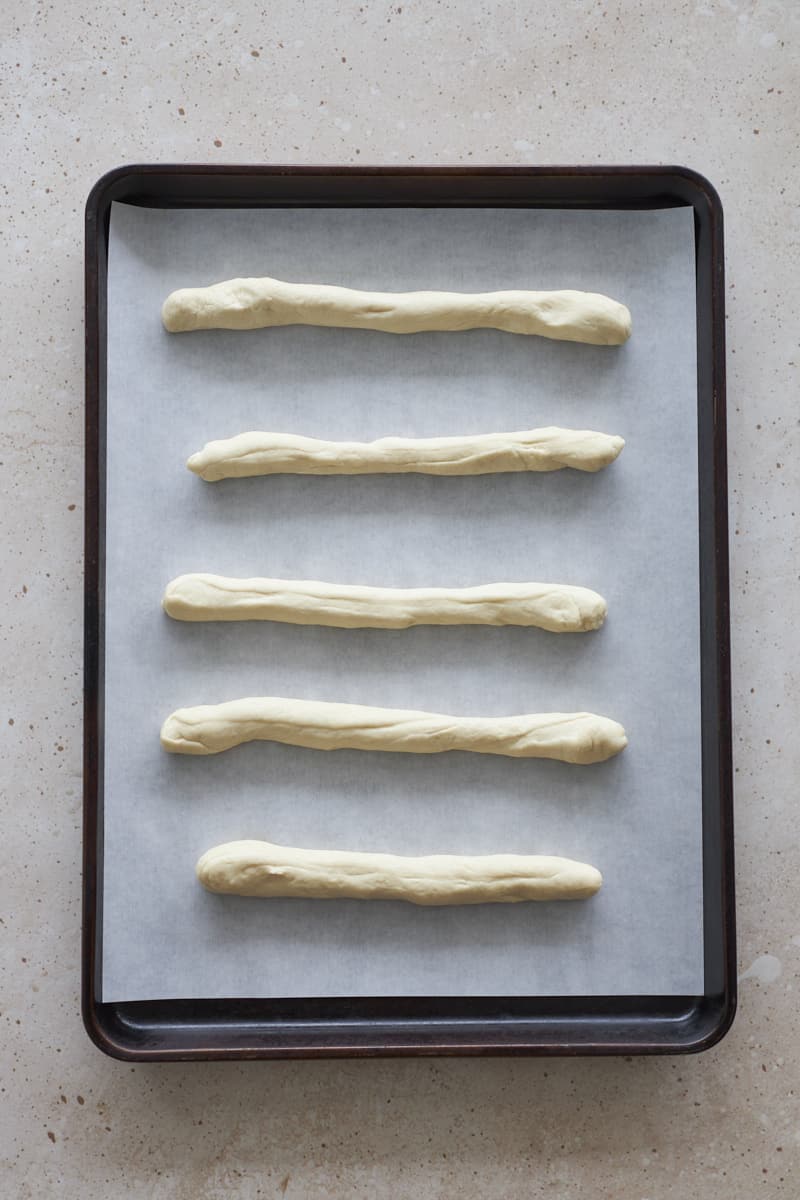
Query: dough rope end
(172,313)
(617,739)
(595,617)
(173,740)
(202,870)
(626,324)
(618,326)
(592,881)
(602,740)
(171,600)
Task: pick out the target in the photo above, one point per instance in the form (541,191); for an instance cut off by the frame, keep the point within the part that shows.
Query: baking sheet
(630,532)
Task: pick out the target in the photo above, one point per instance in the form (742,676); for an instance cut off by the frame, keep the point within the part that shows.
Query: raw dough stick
(210,728)
(256,303)
(547,449)
(559,608)
(263,869)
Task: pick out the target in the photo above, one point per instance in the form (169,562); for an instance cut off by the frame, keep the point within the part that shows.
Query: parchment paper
(630,532)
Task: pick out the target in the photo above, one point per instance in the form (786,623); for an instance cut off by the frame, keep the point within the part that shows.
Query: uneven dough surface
(559,608)
(547,449)
(255,868)
(210,728)
(256,303)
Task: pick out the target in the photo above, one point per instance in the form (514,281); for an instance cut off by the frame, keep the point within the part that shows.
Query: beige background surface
(86,87)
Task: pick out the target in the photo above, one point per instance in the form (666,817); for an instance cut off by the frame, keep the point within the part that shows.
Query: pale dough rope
(257,303)
(253,868)
(209,729)
(559,608)
(546,449)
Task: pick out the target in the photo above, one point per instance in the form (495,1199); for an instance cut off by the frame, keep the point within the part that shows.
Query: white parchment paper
(630,532)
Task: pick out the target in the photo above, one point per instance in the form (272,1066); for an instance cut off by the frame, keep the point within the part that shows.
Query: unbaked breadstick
(558,608)
(210,728)
(256,303)
(262,869)
(547,449)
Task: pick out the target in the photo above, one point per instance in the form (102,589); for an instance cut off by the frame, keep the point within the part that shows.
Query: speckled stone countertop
(87,87)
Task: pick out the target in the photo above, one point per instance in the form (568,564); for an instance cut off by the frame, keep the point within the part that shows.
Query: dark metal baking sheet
(262,1028)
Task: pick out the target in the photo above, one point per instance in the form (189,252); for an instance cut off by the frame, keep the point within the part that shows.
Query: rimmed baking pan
(271,1026)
